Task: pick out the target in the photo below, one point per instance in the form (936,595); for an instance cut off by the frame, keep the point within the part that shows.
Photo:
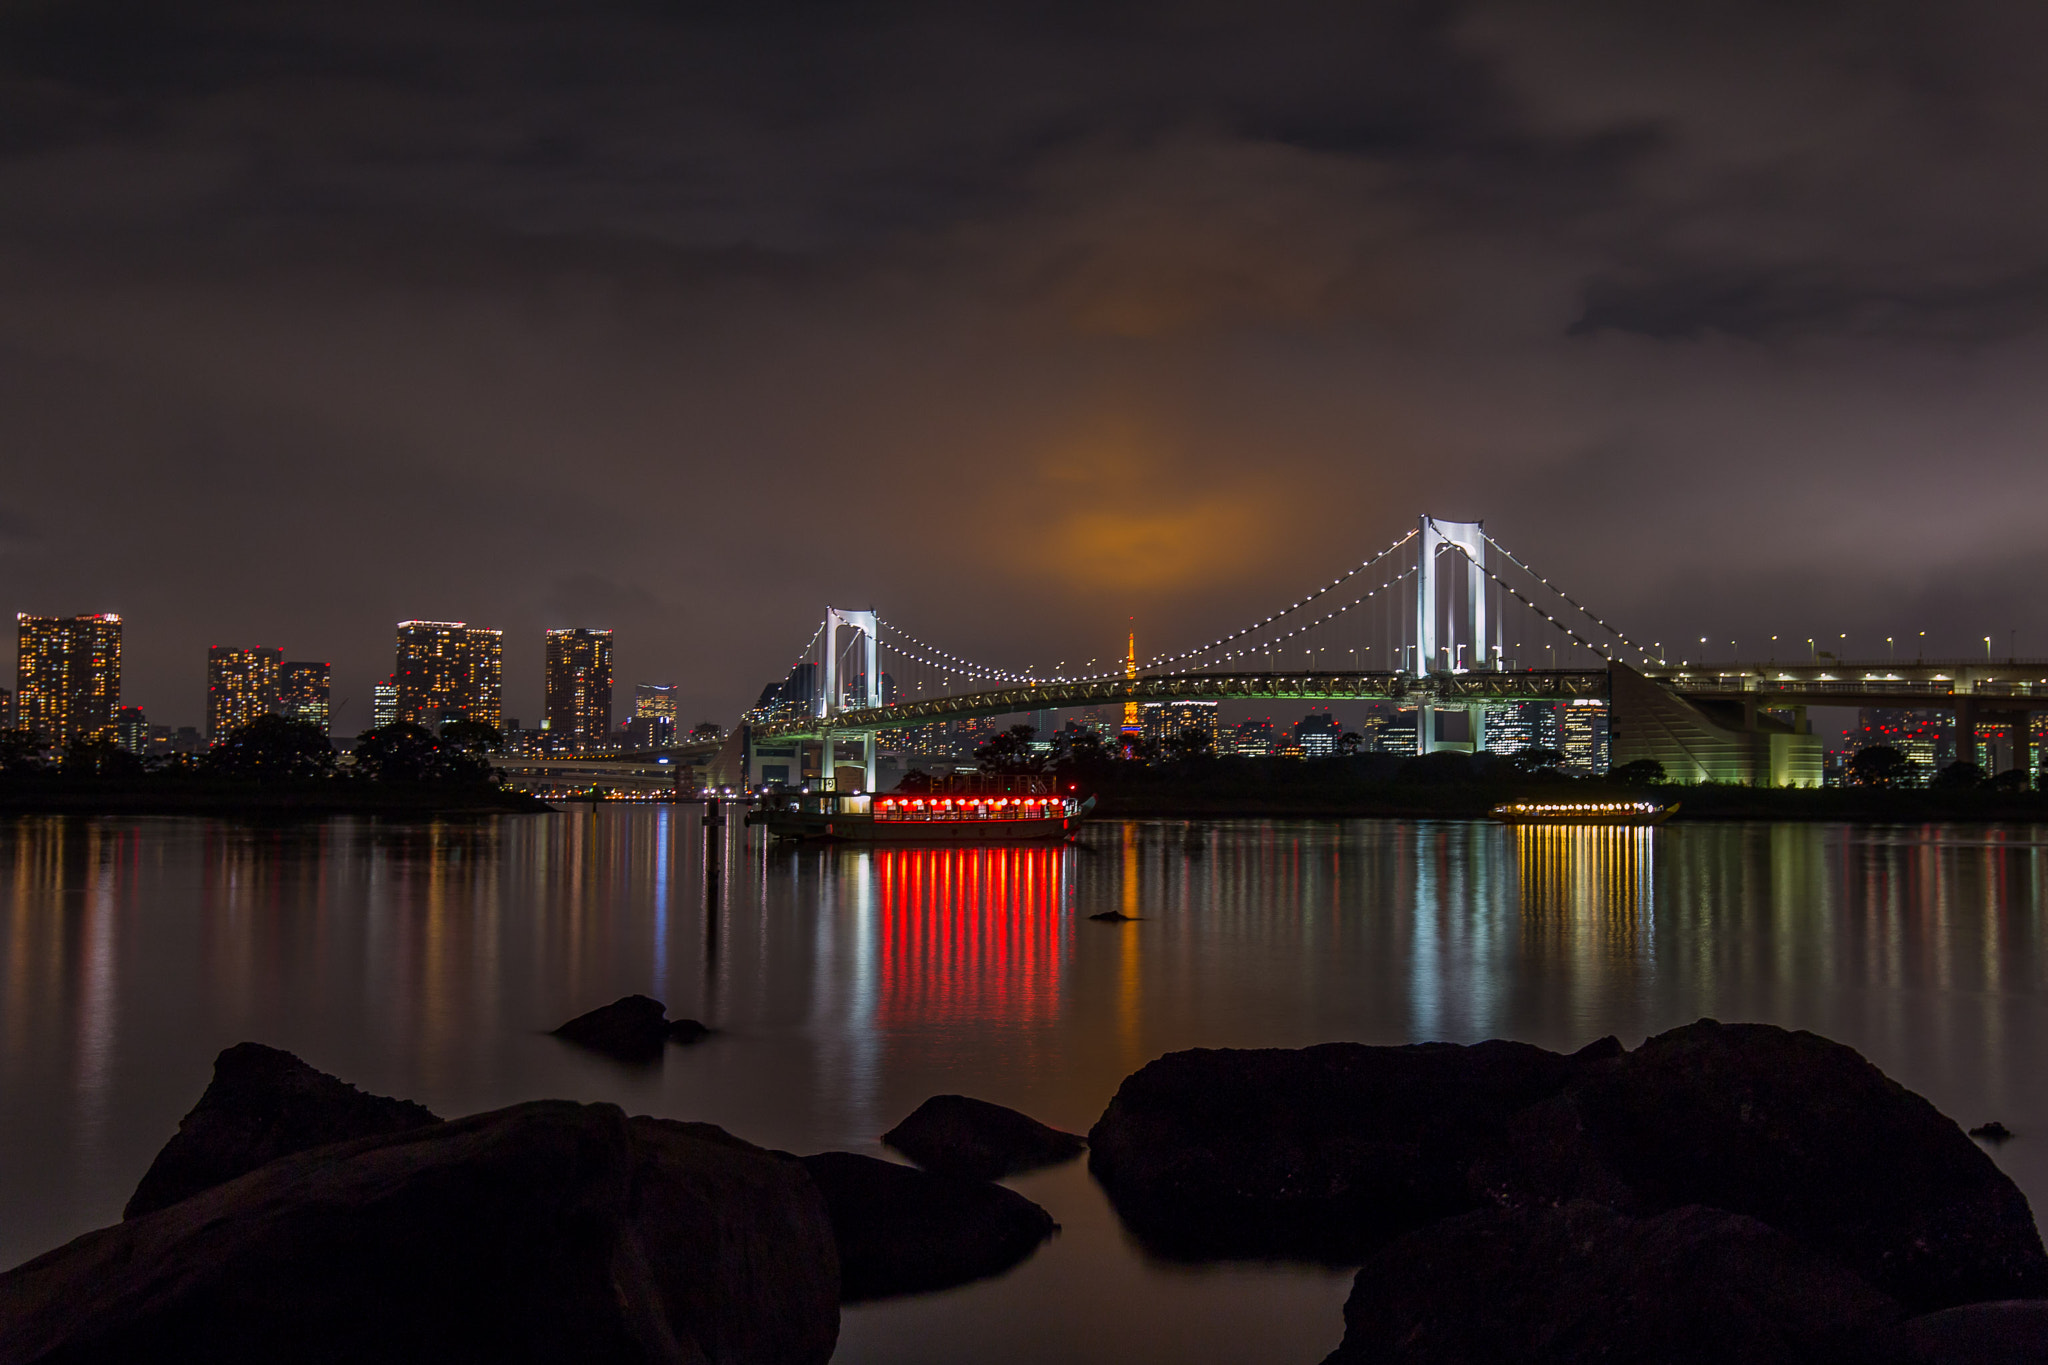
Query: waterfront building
(67,675)
(1582,735)
(576,709)
(1514,727)
(6,708)
(241,684)
(302,693)
(449,670)
(131,729)
(1926,738)
(654,714)
(384,704)
(1399,733)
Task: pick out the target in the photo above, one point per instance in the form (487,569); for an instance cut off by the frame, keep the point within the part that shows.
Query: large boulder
(976,1140)
(547,1232)
(1580,1282)
(263,1104)
(1323,1152)
(903,1231)
(1795,1130)
(633,1029)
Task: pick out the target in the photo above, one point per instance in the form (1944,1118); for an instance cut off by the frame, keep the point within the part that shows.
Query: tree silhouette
(1011,752)
(1959,776)
(1644,772)
(407,753)
(1879,765)
(272,749)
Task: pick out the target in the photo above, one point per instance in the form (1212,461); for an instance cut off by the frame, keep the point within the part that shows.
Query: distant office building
(576,709)
(187,740)
(789,698)
(302,693)
(68,675)
(241,684)
(6,709)
(131,729)
(654,715)
(160,741)
(449,670)
(1924,737)
(1398,735)
(1162,720)
(1582,735)
(384,704)
(1316,734)
(1253,738)
(1521,725)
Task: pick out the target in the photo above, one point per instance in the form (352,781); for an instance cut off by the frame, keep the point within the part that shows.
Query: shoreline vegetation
(270,767)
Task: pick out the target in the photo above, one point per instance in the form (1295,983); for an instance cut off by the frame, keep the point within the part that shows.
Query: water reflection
(428,959)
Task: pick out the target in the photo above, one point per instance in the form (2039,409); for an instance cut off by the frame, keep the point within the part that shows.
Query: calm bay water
(428,960)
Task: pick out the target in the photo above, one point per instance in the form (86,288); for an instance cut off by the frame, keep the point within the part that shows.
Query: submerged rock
(546,1232)
(903,1231)
(631,1029)
(1115,917)
(1797,1131)
(1693,1286)
(1323,1152)
(263,1104)
(976,1140)
(1993,1131)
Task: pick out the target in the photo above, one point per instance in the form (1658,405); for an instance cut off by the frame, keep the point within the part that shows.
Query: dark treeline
(270,763)
(1185,778)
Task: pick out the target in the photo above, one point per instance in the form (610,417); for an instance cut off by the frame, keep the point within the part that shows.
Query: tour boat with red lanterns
(1584,812)
(960,810)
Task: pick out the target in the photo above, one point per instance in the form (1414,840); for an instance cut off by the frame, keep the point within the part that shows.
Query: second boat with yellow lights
(1584,812)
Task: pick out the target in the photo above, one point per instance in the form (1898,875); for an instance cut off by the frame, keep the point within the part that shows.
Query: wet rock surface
(2011,1332)
(901,1230)
(1581,1282)
(631,1029)
(549,1231)
(975,1140)
(1324,1152)
(1797,1131)
(263,1104)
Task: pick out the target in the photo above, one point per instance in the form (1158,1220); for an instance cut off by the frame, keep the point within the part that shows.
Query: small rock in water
(263,1104)
(1114,917)
(976,1140)
(687,1031)
(630,1030)
(1993,1131)
(904,1231)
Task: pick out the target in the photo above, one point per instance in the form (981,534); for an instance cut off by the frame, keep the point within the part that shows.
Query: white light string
(1513,559)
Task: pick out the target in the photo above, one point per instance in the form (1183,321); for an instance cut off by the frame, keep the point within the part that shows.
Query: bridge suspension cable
(1576,604)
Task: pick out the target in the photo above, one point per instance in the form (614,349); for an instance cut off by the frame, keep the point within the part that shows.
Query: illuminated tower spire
(1133,723)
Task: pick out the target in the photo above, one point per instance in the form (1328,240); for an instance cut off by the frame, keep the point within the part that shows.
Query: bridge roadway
(1961,685)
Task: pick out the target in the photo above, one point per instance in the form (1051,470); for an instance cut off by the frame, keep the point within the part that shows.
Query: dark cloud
(1013,321)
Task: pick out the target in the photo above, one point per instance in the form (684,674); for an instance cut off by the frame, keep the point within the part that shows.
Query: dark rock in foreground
(976,1140)
(548,1232)
(1323,1152)
(263,1104)
(904,1231)
(1797,1131)
(2012,1332)
(632,1029)
(1693,1286)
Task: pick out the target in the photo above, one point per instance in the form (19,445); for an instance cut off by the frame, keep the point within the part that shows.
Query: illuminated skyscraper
(1164,720)
(68,675)
(449,670)
(241,684)
(384,703)
(576,709)
(654,712)
(131,728)
(302,693)
(1582,732)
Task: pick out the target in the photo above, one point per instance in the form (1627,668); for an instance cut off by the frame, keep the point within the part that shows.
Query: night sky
(687,320)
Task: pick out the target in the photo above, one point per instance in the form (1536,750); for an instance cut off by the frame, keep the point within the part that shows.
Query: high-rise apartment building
(1162,720)
(384,704)
(654,714)
(1582,734)
(449,670)
(1317,733)
(68,675)
(576,710)
(302,692)
(241,684)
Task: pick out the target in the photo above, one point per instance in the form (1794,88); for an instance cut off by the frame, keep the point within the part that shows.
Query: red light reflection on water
(969,934)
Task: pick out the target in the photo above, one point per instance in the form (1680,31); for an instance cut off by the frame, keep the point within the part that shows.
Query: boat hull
(865,829)
(1518,813)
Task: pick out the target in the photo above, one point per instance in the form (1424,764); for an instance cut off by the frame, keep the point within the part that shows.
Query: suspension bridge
(1445,621)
